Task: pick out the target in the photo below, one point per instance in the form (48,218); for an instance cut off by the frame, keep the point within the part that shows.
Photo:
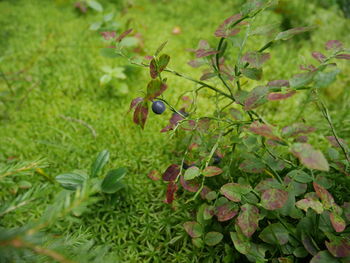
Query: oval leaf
(100,161)
(273,199)
(111,183)
(212,171)
(213,238)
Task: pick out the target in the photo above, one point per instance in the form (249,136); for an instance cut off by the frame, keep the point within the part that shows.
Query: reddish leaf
(252,166)
(225,29)
(196,63)
(278,83)
(226,212)
(236,114)
(255,59)
(108,35)
(306,68)
(334,44)
(141,113)
(124,34)
(326,198)
(332,140)
(280,96)
(175,118)
(208,75)
(193,228)
(171,173)
(205,191)
(163,62)
(190,186)
(248,219)
(311,158)
(338,222)
(323,257)
(318,56)
(212,171)
(252,73)
(153,71)
(263,130)
(267,184)
(155,88)
(154,175)
(339,247)
(234,191)
(205,52)
(135,102)
(170,193)
(273,199)
(285,35)
(256,97)
(343,56)
(297,129)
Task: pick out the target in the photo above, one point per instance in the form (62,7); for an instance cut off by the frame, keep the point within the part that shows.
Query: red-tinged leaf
(308,156)
(200,53)
(323,257)
(190,186)
(285,35)
(154,175)
(308,243)
(326,198)
(193,228)
(226,212)
(212,171)
(278,83)
(124,34)
(153,69)
(108,35)
(163,62)
(343,56)
(301,80)
(175,118)
(206,190)
(256,98)
(213,238)
(306,203)
(263,130)
(171,173)
(332,140)
(334,44)
(255,59)
(225,29)
(236,114)
(248,219)
(339,247)
(252,166)
(196,63)
(273,199)
(149,57)
(192,172)
(208,75)
(267,184)
(252,73)
(318,56)
(302,139)
(170,192)
(338,222)
(346,210)
(280,96)
(155,88)
(135,102)
(203,44)
(242,243)
(208,212)
(234,191)
(141,113)
(307,68)
(296,129)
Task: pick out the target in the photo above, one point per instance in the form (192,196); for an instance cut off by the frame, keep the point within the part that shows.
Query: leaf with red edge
(248,219)
(206,190)
(256,98)
(212,171)
(153,68)
(154,175)
(311,158)
(252,73)
(263,130)
(196,63)
(334,44)
(278,83)
(339,247)
(338,222)
(155,88)
(302,79)
(326,198)
(108,35)
(135,102)
(280,96)
(163,62)
(323,257)
(200,53)
(175,118)
(234,191)
(318,56)
(193,228)
(296,129)
(213,238)
(226,211)
(192,172)
(141,113)
(170,192)
(267,184)
(252,165)
(273,199)
(332,140)
(343,56)
(225,29)
(190,185)
(285,35)
(124,34)
(171,173)
(255,59)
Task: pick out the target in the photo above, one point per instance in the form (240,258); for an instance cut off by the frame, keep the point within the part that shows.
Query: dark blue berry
(158,107)
(185,166)
(216,159)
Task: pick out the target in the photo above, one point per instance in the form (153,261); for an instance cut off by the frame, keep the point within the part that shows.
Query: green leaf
(129,42)
(275,234)
(163,62)
(193,228)
(155,88)
(324,79)
(160,48)
(311,158)
(248,219)
(192,173)
(323,257)
(257,97)
(95,5)
(109,52)
(118,72)
(234,191)
(213,238)
(306,203)
(301,80)
(285,35)
(111,183)
(273,199)
(210,171)
(241,242)
(105,79)
(252,73)
(95,26)
(73,180)
(100,161)
(300,252)
(300,176)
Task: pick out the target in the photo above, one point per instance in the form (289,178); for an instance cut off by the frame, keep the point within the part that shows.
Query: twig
(11,208)
(67,118)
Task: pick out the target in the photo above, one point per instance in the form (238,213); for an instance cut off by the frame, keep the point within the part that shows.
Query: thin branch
(67,118)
